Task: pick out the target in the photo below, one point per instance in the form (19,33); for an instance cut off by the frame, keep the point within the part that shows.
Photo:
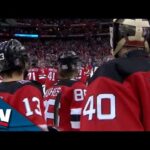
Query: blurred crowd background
(87,37)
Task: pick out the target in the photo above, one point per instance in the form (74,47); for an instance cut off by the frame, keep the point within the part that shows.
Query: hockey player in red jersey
(52,77)
(38,73)
(33,71)
(42,72)
(24,96)
(118,97)
(87,69)
(63,99)
(84,73)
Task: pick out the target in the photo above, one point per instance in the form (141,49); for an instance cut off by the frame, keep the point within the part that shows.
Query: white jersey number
(90,110)
(79,94)
(31,76)
(30,112)
(51,76)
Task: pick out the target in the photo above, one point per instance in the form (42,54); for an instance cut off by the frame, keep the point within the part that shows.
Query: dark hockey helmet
(13,55)
(68,60)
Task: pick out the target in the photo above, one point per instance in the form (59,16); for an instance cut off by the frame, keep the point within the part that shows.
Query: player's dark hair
(9,73)
(67,74)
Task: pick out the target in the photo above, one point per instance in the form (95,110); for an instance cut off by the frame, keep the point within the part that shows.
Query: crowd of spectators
(91,51)
(91,46)
(60,21)
(57,27)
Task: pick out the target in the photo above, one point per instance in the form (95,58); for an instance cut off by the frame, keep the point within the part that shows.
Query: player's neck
(13,78)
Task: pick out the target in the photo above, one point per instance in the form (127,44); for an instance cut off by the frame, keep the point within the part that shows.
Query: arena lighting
(27,35)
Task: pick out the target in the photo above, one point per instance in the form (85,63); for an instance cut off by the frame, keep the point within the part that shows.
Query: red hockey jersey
(42,75)
(63,105)
(118,97)
(33,74)
(52,77)
(82,76)
(26,97)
